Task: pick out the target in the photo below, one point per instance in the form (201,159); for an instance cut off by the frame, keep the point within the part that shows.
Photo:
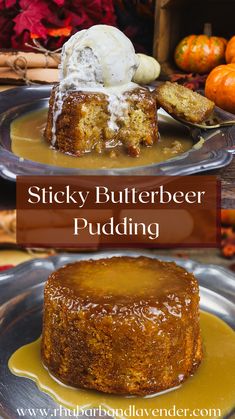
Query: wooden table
(227,177)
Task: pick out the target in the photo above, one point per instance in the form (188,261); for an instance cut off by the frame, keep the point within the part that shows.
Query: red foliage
(10,3)
(22,20)
(19,19)
(30,17)
(6,29)
(192,81)
(59,2)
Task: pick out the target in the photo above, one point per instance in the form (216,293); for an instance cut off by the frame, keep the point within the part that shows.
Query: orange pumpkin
(230,51)
(200,53)
(220,87)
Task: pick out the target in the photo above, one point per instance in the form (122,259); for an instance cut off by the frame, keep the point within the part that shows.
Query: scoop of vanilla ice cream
(101,56)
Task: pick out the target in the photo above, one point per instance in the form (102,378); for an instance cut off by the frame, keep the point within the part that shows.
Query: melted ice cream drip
(57,109)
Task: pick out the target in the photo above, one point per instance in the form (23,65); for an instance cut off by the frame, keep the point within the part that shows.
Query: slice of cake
(122,325)
(183,102)
(86,121)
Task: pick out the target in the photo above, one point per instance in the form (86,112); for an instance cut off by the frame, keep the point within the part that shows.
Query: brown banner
(117,211)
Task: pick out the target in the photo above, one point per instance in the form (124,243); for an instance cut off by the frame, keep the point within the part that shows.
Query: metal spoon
(204,126)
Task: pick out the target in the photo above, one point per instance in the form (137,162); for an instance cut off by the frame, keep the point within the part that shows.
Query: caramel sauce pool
(28,143)
(212,386)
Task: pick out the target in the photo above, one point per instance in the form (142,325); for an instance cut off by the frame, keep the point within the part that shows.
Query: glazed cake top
(123,280)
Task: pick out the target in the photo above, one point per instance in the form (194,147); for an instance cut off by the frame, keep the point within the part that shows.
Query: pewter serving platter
(21,300)
(216,151)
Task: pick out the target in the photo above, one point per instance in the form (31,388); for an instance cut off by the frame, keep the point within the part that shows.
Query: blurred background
(53,21)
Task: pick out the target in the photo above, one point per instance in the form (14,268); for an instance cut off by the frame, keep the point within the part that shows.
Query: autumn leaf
(56,32)
(65,31)
(78,20)
(59,2)
(31,16)
(10,3)
(51,20)
(94,11)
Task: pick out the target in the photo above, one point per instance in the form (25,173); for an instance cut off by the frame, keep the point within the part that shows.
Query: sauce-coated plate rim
(25,282)
(214,155)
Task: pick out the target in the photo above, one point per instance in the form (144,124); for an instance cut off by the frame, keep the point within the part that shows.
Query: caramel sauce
(28,143)
(212,386)
(109,278)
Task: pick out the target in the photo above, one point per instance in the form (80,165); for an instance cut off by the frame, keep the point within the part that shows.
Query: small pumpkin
(230,51)
(220,86)
(200,53)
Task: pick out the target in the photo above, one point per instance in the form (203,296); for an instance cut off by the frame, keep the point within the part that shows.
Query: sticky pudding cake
(121,325)
(98,103)
(101,102)
(85,122)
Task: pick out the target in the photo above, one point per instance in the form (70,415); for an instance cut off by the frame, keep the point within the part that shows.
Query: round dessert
(122,325)
(96,105)
(100,103)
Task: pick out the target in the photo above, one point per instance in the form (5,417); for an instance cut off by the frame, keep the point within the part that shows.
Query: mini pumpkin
(230,51)
(200,53)
(220,87)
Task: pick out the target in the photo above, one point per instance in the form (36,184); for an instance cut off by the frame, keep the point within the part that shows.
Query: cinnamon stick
(29,59)
(31,75)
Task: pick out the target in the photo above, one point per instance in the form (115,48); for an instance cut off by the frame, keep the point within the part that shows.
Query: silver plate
(216,151)
(21,300)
